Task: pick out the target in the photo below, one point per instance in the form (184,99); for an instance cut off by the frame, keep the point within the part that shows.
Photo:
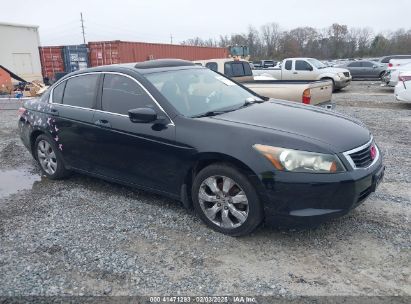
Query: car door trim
(115,73)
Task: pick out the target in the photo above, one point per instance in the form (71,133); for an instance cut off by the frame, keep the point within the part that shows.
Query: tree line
(335,42)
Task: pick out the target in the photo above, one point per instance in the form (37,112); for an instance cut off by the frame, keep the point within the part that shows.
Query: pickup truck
(307,92)
(308,69)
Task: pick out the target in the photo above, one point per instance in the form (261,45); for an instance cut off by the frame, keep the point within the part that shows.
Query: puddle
(11,181)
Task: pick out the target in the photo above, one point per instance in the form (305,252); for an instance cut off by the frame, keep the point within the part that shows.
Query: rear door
(367,70)
(287,70)
(355,68)
(70,123)
(138,153)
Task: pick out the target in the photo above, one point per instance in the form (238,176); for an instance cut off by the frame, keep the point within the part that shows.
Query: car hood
(334,130)
(333,70)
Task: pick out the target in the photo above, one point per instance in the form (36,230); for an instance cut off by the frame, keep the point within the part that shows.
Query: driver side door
(138,153)
(303,70)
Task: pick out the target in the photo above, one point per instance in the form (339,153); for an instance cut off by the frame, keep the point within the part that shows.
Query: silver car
(365,69)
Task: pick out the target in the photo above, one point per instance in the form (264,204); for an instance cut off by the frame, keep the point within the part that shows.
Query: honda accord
(184,131)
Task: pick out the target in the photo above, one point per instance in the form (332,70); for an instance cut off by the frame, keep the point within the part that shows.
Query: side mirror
(375,66)
(310,68)
(142,115)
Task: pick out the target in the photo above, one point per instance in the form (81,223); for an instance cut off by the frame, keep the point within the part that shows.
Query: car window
(354,64)
(367,64)
(121,94)
(301,65)
(237,69)
(212,66)
(80,91)
(288,65)
(58,93)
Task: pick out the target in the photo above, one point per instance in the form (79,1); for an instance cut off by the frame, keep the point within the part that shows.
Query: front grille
(362,158)
(347,74)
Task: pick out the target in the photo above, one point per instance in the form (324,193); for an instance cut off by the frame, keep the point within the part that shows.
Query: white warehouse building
(19,50)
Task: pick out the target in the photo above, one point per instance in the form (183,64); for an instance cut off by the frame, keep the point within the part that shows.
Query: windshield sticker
(225,80)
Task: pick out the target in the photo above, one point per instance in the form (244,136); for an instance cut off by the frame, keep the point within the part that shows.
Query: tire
(49,158)
(226,201)
(381,75)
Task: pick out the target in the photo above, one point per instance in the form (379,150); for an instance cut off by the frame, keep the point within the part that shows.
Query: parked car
(386,59)
(391,76)
(396,63)
(184,131)
(365,69)
(307,92)
(309,69)
(402,90)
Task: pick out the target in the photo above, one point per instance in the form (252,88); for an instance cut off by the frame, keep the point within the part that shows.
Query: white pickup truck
(308,69)
(307,92)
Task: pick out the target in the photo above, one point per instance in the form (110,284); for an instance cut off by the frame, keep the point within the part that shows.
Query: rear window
(237,69)
(288,65)
(354,64)
(367,64)
(388,58)
(212,66)
(80,91)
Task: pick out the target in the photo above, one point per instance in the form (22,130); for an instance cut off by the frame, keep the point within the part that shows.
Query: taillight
(390,65)
(307,96)
(21,111)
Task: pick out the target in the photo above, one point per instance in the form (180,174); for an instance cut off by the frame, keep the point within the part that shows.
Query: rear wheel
(381,74)
(225,200)
(49,158)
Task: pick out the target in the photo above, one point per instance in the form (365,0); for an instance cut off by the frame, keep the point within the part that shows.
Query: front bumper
(310,199)
(342,83)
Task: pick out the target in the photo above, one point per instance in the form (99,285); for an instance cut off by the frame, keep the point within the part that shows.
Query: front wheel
(226,201)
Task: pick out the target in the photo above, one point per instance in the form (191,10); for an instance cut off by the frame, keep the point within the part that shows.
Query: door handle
(54,112)
(295,73)
(102,123)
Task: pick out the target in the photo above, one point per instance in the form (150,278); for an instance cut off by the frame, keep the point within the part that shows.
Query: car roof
(144,67)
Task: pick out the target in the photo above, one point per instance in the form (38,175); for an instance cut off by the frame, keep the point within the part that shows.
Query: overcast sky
(156,20)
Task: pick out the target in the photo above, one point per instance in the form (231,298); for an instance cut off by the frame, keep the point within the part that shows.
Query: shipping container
(19,53)
(112,52)
(75,57)
(5,82)
(52,62)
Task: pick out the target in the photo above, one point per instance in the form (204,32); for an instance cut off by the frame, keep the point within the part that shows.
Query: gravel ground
(84,236)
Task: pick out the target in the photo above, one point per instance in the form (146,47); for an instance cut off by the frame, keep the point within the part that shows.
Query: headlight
(341,75)
(300,161)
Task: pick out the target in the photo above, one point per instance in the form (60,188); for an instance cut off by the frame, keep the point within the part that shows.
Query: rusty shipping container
(112,52)
(52,61)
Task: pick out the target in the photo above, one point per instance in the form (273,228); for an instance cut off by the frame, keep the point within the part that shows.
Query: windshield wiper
(211,113)
(247,102)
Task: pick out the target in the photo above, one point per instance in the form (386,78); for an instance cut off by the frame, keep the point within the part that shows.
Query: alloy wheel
(223,202)
(47,157)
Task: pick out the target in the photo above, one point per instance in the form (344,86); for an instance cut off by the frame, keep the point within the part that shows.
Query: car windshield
(196,92)
(318,64)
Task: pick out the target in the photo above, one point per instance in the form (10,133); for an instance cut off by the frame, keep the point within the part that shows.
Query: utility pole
(82,28)
(171,38)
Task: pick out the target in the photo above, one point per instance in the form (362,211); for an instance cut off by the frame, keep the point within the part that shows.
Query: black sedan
(184,131)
